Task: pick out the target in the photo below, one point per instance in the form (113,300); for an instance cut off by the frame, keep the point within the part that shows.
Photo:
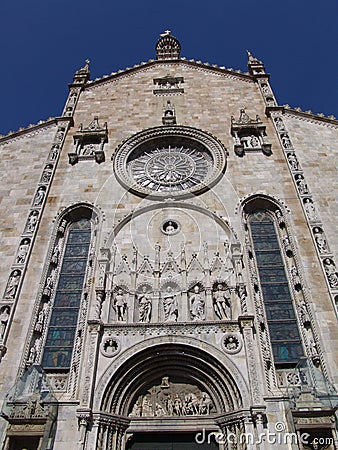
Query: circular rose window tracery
(171,160)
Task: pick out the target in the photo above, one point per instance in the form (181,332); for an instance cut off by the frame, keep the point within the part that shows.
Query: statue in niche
(54,152)
(320,240)
(49,284)
(197,305)
(296,279)
(40,195)
(13,284)
(310,209)
(22,252)
(293,161)
(59,135)
(55,255)
(88,150)
(222,304)
(170,306)
(4,317)
(303,313)
(330,270)
(279,124)
(287,245)
(145,306)
(42,317)
(120,305)
(46,174)
(302,186)
(34,351)
(254,141)
(32,221)
(286,141)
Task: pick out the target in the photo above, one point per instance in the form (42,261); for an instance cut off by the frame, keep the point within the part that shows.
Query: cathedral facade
(169,277)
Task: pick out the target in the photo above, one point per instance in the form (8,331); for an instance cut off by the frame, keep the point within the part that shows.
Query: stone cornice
(191,62)
(310,116)
(33,129)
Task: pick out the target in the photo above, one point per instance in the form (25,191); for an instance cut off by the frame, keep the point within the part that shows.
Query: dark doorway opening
(172,441)
(24,442)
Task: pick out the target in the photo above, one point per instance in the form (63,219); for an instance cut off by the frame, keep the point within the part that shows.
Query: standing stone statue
(12,285)
(197,305)
(170,306)
(222,303)
(144,302)
(22,252)
(4,316)
(120,305)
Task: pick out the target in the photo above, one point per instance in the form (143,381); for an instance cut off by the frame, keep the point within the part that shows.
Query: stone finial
(82,75)
(167,47)
(255,65)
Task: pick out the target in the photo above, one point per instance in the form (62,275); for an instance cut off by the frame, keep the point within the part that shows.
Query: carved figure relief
(22,251)
(279,124)
(231,343)
(55,256)
(145,305)
(331,272)
(170,305)
(42,318)
(54,152)
(120,305)
(197,304)
(40,195)
(320,240)
(286,141)
(172,399)
(47,174)
(302,186)
(4,317)
(222,302)
(293,161)
(34,351)
(31,222)
(110,346)
(310,209)
(12,285)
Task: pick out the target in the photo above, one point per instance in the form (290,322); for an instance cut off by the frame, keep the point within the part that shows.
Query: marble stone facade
(171,334)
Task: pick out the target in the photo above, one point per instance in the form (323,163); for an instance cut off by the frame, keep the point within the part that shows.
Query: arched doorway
(170,396)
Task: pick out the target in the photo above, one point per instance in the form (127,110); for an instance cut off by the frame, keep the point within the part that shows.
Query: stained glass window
(62,326)
(282,322)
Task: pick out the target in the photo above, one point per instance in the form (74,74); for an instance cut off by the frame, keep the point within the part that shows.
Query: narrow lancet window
(63,322)
(279,309)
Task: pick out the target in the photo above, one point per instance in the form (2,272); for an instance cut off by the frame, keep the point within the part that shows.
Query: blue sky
(43,43)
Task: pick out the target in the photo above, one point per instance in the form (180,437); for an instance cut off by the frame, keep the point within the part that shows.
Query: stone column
(246,324)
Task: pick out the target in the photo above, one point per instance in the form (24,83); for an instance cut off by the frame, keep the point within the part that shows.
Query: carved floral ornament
(172,161)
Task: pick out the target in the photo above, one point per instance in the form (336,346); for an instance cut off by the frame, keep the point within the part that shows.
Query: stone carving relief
(231,343)
(144,305)
(169,115)
(168,85)
(110,346)
(320,240)
(89,142)
(32,221)
(331,272)
(172,399)
(170,304)
(293,162)
(47,174)
(120,305)
(249,134)
(301,185)
(222,301)
(22,251)
(197,304)
(4,317)
(310,210)
(39,197)
(54,152)
(12,285)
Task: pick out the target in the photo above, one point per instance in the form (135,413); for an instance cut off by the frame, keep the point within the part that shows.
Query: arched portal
(169,393)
